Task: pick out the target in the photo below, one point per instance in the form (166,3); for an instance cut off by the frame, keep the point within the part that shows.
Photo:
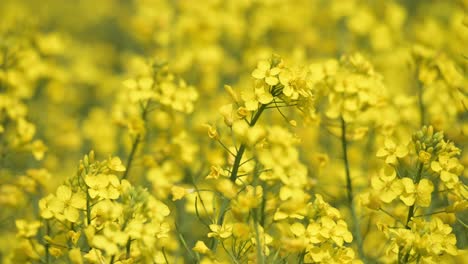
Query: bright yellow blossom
(448,168)
(104,186)
(222,232)
(201,248)
(419,194)
(391,152)
(115,164)
(265,71)
(388,187)
(67,204)
(27,229)
(178,192)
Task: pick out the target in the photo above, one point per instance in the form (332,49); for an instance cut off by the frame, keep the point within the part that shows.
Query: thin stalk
(47,245)
(411,209)
(240,152)
(135,143)
(128,247)
(349,191)
(257,214)
(260,257)
(88,208)
(416,181)
(422,108)
(420,94)
(234,172)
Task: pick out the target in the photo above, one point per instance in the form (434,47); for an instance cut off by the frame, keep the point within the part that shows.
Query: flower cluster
(96,217)
(354,86)
(411,181)
(261,131)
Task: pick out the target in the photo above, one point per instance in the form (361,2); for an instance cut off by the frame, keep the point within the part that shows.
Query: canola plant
(233,131)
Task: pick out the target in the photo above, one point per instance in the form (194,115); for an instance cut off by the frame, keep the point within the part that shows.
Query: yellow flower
(433,238)
(75,256)
(424,156)
(212,133)
(250,198)
(201,248)
(38,149)
(115,164)
(111,239)
(103,185)
(388,187)
(266,72)
(95,256)
(227,188)
(44,206)
(27,229)
(448,168)
(391,152)
(74,236)
(297,229)
(67,204)
(178,192)
(218,231)
(241,231)
(339,233)
(419,194)
(259,95)
(326,228)
(227,112)
(215,172)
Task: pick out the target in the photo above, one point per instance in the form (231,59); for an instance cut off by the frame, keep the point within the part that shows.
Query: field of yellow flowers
(233,131)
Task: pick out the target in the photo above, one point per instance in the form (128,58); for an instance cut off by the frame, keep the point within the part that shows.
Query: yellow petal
(297,229)
(64,193)
(435,166)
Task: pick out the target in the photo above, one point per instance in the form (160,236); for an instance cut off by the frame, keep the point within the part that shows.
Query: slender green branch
(136,142)
(411,211)
(88,208)
(416,181)
(128,247)
(422,108)
(257,214)
(240,152)
(260,257)
(462,223)
(234,172)
(47,245)
(349,191)
(164,254)
(225,147)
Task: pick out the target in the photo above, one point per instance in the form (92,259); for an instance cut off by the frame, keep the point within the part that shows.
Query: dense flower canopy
(233,131)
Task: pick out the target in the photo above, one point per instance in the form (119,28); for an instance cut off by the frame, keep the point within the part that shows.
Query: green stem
(260,257)
(349,191)
(88,208)
(411,209)
(257,214)
(240,153)
(127,248)
(47,246)
(420,91)
(237,160)
(135,143)
(234,172)
(422,108)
